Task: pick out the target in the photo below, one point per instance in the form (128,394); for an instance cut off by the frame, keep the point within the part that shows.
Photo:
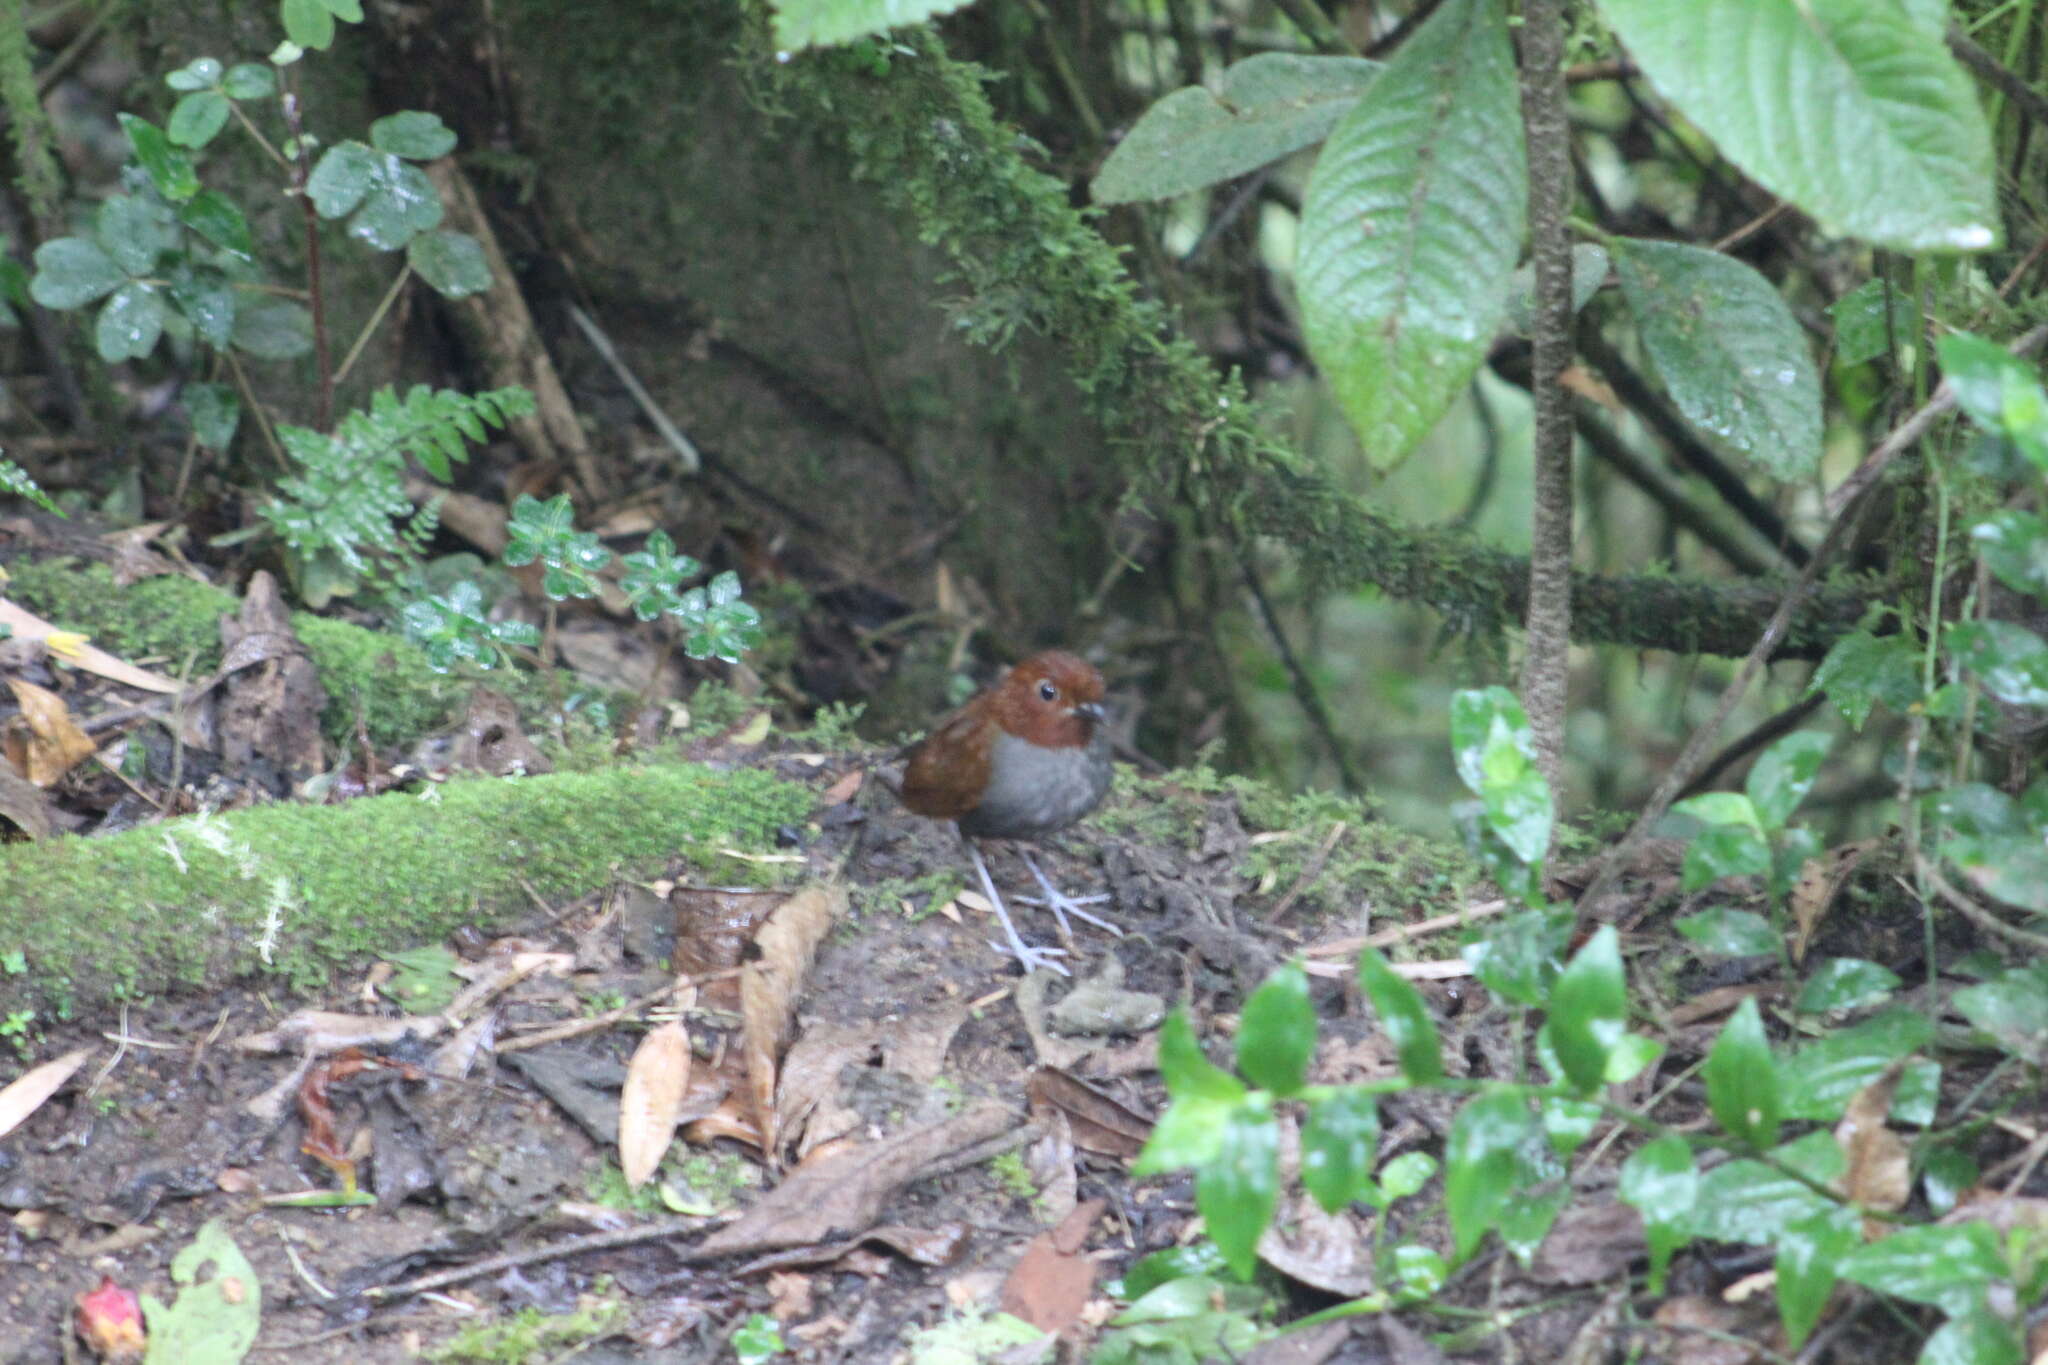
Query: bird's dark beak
(1092,711)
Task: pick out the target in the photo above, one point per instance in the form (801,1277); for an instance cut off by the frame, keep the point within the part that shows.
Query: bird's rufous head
(1052,699)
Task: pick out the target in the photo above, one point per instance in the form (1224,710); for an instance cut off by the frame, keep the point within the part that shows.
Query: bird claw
(1033,958)
(1063,905)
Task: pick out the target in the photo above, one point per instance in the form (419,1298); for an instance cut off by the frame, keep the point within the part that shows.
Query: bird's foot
(1033,958)
(1063,905)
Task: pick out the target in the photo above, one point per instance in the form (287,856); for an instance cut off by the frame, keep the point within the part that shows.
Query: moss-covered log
(294,891)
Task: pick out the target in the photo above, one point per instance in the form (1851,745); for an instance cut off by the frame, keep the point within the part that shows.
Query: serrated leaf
(1339,1142)
(130,322)
(825,23)
(1262,109)
(1237,1190)
(1742,1078)
(1850,109)
(71,272)
(1403,1015)
(1411,226)
(1728,350)
(413,134)
(1276,1032)
(452,263)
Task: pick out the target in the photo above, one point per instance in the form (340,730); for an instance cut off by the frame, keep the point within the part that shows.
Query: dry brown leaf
(1704,1332)
(1053,1280)
(1590,1243)
(651,1100)
(28,626)
(23,803)
(839,1196)
(1332,1252)
(271,696)
(28,1091)
(1588,385)
(752,732)
(315,1032)
(1818,885)
(842,791)
(1719,1000)
(770,985)
(1100,1124)
(45,743)
(1878,1175)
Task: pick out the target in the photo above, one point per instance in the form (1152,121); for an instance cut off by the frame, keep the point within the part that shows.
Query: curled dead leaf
(652,1100)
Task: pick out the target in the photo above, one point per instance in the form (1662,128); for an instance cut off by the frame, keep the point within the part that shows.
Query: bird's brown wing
(948,770)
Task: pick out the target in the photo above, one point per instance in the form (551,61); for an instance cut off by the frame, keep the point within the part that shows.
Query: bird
(1021,759)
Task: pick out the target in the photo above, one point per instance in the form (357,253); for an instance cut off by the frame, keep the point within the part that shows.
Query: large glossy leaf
(1742,1080)
(1481,1163)
(1589,1009)
(1808,1251)
(1263,108)
(1851,109)
(1277,1033)
(1404,1017)
(821,23)
(1237,1190)
(1411,227)
(1729,351)
(1661,1181)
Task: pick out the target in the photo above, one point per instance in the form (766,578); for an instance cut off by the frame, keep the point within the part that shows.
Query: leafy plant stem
(250,404)
(302,172)
(376,317)
(249,127)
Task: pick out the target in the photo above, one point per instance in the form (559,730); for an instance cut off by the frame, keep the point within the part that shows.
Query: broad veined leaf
(1729,351)
(1264,108)
(822,23)
(1851,109)
(1411,227)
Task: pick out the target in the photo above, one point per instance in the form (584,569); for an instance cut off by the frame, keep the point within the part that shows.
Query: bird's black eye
(1047,692)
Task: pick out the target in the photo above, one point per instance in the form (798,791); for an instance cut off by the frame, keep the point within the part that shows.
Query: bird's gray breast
(1034,790)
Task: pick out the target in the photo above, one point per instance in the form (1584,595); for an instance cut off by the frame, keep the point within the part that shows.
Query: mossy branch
(922,129)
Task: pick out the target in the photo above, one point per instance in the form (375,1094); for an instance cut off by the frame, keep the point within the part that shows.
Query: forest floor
(948,1176)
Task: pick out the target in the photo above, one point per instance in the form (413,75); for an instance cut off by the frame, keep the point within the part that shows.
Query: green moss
(294,891)
(530,1335)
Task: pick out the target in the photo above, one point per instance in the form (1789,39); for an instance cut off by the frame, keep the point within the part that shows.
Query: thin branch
(1304,686)
(1993,73)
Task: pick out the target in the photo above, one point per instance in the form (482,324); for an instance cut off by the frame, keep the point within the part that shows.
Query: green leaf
(1200,1258)
(1862,669)
(349,11)
(2014,546)
(135,232)
(2011,661)
(401,204)
(1997,843)
(2013,1009)
(1721,808)
(1405,1175)
(1402,1014)
(1724,851)
(1519,958)
(452,263)
(1263,108)
(1236,1191)
(219,220)
(2001,393)
(1662,1183)
(1783,774)
(1976,1337)
(1848,108)
(307,23)
(1589,1010)
(216,412)
(1748,1202)
(825,23)
(345,173)
(169,169)
(130,322)
(413,134)
(1845,983)
(1808,1252)
(1742,1079)
(215,1320)
(204,299)
(1481,1163)
(1590,265)
(14,480)
(1474,712)
(249,81)
(1721,932)
(273,328)
(198,118)
(1729,351)
(1277,1032)
(1419,1271)
(1188,1073)
(197,74)
(1339,1142)
(1948,1267)
(1818,1080)
(1865,328)
(1411,227)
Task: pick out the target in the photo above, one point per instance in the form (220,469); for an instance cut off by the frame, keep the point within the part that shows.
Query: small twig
(576,1028)
(1304,686)
(376,317)
(1977,914)
(1753,226)
(1344,947)
(302,172)
(1993,72)
(554,1251)
(1310,870)
(681,444)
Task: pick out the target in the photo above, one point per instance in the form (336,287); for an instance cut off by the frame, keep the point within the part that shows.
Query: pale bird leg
(1063,905)
(1032,958)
